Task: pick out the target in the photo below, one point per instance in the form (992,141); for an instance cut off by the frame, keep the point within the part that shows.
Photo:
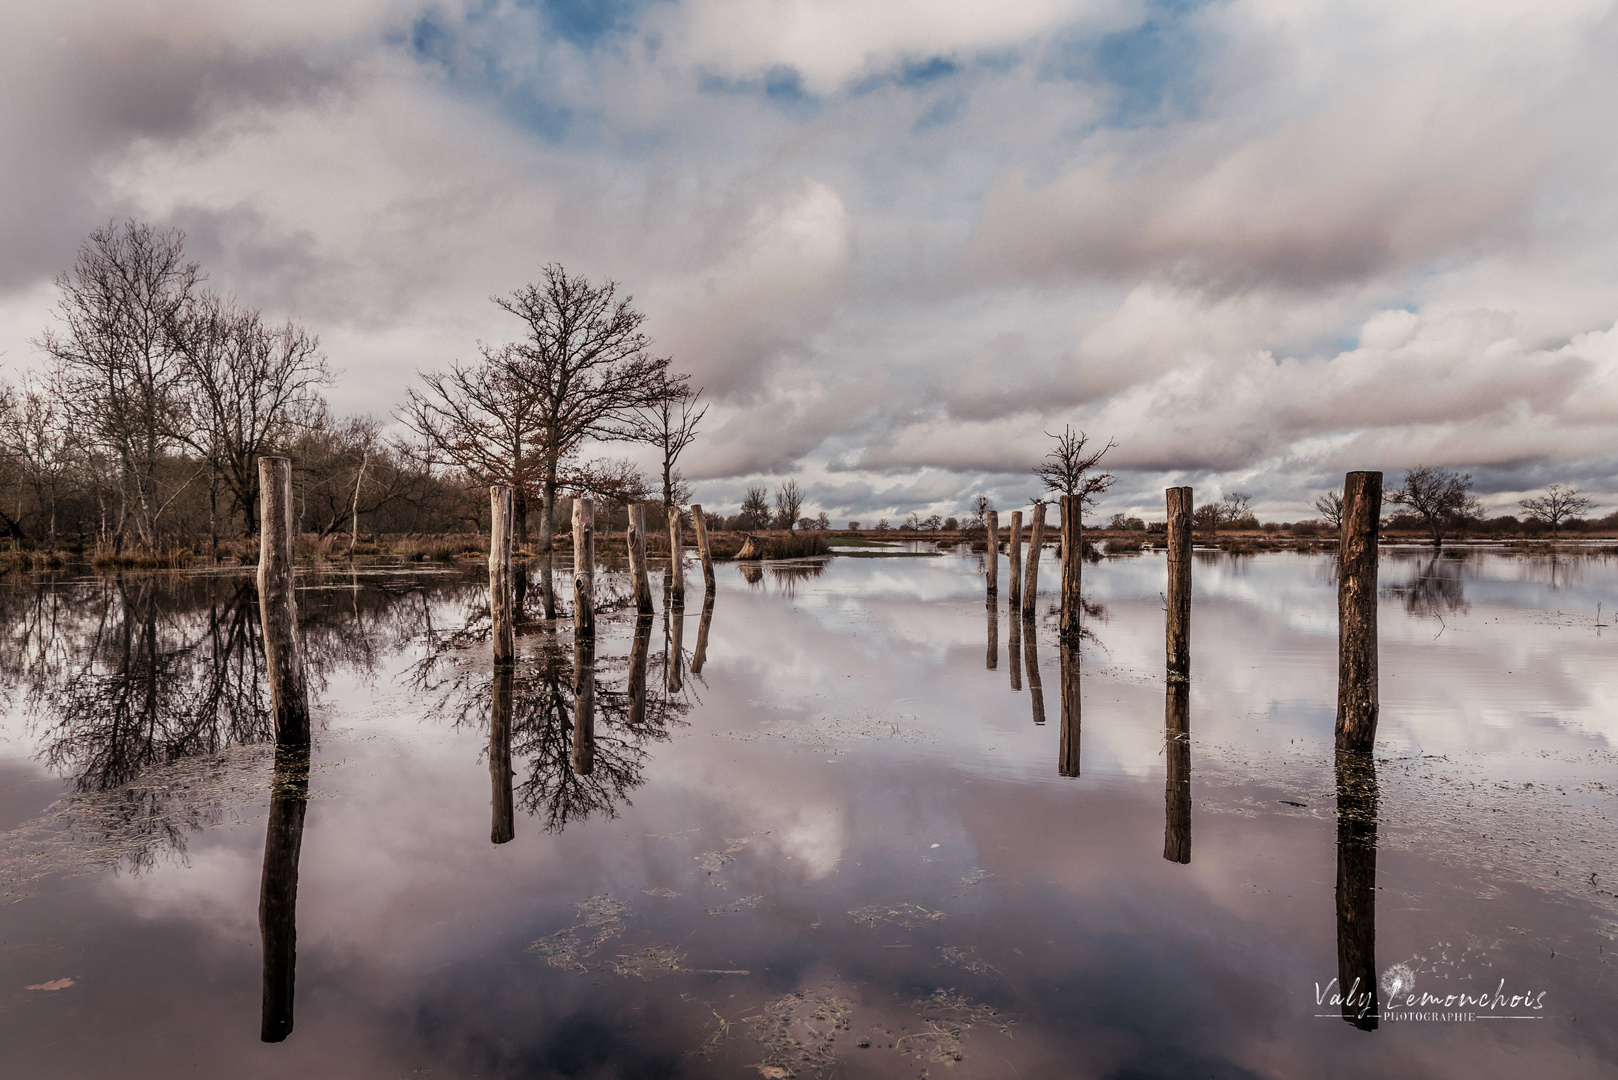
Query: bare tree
(1330,508)
(118,369)
(37,442)
(755,512)
(788,501)
(981,505)
(1068,468)
(1557,505)
(1438,496)
(585,367)
(485,423)
(1236,508)
(670,424)
(248,388)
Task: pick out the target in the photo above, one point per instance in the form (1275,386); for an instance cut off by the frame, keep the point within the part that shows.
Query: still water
(841,821)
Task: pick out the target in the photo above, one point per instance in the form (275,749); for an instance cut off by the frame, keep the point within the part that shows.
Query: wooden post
(278,890)
(1030,654)
(1072,565)
(1177,785)
(638,573)
(1356,886)
(1067,761)
(1030,576)
(700,527)
(1178,632)
(1014,645)
(500,605)
(1356,612)
(700,655)
(584,705)
(639,652)
(584,568)
(991,521)
(278,603)
(503,825)
(676,586)
(1014,560)
(994,637)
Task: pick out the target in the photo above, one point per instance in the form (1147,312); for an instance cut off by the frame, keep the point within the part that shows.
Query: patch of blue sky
(781,86)
(586,23)
(1153,70)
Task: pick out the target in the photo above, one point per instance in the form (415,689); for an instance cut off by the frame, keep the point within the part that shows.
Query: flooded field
(841,821)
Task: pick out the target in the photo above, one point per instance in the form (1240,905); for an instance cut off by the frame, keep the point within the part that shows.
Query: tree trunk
(500,602)
(1356,613)
(1177,635)
(584,568)
(278,606)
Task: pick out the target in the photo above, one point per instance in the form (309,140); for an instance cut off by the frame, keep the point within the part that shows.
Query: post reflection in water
(547,587)
(278,889)
(1356,888)
(584,706)
(1036,690)
(1177,787)
(1067,762)
(638,654)
(1014,650)
(503,826)
(994,637)
(699,657)
(674,656)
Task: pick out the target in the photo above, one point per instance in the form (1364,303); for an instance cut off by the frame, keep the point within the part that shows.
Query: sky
(1257,243)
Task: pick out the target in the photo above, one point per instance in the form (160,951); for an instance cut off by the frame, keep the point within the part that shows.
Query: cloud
(895,243)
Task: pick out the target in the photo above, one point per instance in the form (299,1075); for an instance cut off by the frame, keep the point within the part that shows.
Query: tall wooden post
(584,705)
(500,605)
(278,603)
(1030,654)
(1030,575)
(503,818)
(1178,634)
(1072,564)
(991,521)
(994,638)
(278,890)
(700,527)
(676,586)
(1356,612)
(1356,887)
(1177,785)
(1067,761)
(584,568)
(1014,560)
(639,575)
(639,652)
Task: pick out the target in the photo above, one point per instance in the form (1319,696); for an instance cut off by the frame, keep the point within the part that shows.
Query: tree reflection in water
(1434,590)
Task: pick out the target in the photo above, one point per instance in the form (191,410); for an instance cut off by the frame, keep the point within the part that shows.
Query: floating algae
(569,946)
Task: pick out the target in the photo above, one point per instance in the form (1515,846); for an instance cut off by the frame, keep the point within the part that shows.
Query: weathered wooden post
(1067,761)
(700,655)
(638,573)
(1014,561)
(584,568)
(278,603)
(1030,653)
(991,521)
(500,602)
(1014,645)
(278,890)
(1356,612)
(1177,785)
(1178,630)
(503,825)
(700,527)
(1030,575)
(639,653)
(994,637)
(584,705)
(1356,885)
(676,586)
(1072,564)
